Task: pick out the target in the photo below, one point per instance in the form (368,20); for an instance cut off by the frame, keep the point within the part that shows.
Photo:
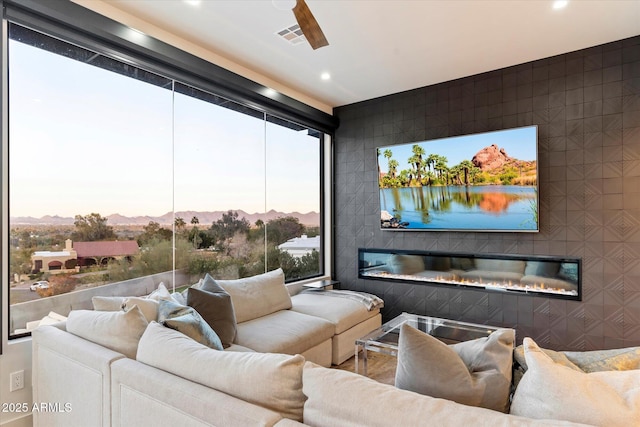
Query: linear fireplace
(557,277)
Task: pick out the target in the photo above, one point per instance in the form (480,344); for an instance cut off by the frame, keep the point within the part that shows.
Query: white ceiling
(380,47)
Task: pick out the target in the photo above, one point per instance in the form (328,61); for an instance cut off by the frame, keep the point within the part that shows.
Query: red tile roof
(106,248)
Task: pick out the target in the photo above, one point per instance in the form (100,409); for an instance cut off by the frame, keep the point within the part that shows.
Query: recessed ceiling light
(325,76)
(560,4)
(193,2)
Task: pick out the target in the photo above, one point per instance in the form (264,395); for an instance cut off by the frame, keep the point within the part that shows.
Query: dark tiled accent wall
(587,108)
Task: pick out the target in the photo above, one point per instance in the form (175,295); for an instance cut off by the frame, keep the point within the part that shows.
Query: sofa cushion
(475,373)
(257,296)
(189,322)
(550,390)
(286,331)
(273,381)
(342,312)
(117,330)
(148,306)
(215,306)
(345,399)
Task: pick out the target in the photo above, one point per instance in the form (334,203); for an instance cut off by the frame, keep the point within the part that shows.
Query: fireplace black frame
(530,275)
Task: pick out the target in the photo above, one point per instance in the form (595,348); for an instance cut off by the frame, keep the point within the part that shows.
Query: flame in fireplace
(480,283)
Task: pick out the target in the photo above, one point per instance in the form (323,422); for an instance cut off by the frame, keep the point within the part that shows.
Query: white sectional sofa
(177,381)
(125,368)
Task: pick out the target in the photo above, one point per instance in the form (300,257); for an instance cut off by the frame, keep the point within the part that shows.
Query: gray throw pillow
(187,320)
(474,373)
(215,306)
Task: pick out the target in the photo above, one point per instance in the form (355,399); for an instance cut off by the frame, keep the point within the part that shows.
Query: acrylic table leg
(364,361)
(361,359)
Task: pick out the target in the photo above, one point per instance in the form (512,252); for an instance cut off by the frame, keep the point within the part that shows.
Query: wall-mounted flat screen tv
(480,182)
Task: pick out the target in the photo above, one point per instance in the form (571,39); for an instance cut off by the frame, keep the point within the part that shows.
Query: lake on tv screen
(460,207)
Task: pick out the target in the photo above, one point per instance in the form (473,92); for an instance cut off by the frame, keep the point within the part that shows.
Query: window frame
(75,24)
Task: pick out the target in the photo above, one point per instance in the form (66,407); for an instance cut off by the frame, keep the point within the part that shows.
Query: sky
(83,140)
(519,143)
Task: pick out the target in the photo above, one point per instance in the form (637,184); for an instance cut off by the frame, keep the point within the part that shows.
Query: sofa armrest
(74,375)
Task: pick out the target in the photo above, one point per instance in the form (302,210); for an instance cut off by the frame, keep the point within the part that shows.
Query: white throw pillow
(161,292)
(257,296)
(117,330)
(273,381)
(550,390)
(474,373)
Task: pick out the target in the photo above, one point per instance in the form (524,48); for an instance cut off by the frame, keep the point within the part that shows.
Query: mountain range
(205,218)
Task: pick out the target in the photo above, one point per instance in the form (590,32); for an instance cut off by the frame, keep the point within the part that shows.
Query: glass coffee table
(385,338)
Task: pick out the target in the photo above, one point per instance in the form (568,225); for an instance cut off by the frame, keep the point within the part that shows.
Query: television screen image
(479,182)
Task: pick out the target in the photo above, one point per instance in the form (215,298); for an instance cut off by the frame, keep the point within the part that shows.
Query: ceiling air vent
(292,34)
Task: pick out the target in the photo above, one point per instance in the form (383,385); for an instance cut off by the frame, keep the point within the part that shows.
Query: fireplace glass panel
(532,275)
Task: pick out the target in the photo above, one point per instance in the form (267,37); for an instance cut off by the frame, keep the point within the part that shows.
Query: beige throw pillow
(257,296)
(148,306)
(474,373)
(553,391)
(117,330)
(273,381)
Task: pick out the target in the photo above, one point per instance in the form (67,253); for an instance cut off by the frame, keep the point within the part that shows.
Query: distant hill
(205,218)
(495,162)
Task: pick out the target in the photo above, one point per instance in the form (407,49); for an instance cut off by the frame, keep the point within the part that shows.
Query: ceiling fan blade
(309,25)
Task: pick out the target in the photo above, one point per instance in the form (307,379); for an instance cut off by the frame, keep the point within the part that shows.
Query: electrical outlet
(17,381)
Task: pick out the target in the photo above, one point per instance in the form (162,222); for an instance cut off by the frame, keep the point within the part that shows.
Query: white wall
(16,356)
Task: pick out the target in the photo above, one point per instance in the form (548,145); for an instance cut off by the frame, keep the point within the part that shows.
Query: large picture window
(118,175)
